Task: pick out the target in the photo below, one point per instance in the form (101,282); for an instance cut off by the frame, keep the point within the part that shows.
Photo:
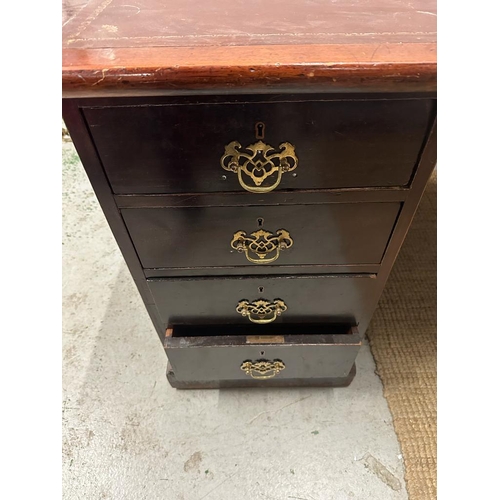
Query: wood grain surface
(354,142)
(328,234)
(114,46)
(338,299)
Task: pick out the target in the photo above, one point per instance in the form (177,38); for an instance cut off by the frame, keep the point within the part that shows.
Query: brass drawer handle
(262,369)
(262,243)
(261,311)
(257,162)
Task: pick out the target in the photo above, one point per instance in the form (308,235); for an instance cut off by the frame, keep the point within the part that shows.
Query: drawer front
(177,148)
(296,357)
(330,234)
(261,301)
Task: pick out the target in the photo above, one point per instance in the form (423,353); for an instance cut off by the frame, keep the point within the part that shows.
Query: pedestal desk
(259,164)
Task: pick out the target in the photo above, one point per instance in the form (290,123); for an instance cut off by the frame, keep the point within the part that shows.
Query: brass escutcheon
(262,369)
(257,162)
(263,244)
(261,311)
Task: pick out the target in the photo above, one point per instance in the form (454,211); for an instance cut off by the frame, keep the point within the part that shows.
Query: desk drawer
(264,301)
(177,148)
(329,234)
(316,353)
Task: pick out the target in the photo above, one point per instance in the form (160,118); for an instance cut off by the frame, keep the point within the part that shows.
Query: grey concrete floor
(128,435)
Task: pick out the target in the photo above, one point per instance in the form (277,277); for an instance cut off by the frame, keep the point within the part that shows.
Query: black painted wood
(310,355)
(426,165)
(256,384)
(177,148)
(330,234)
(342,299)
(158,154)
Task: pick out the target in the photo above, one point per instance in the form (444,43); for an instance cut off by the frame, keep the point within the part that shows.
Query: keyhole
(262,353)
(261,289)
(259,130)
(260,221)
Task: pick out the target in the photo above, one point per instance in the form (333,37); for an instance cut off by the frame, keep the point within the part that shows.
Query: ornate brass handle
(262,369)
(262,243)
(261,311)
(257,162)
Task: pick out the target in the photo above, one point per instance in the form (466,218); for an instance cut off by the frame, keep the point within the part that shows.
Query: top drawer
(174,148)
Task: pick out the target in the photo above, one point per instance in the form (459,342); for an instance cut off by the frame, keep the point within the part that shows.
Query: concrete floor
(128,435)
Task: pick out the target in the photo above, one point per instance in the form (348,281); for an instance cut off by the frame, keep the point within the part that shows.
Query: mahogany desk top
(113,47)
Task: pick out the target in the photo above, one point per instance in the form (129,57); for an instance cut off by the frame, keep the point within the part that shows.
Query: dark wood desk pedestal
(259,164)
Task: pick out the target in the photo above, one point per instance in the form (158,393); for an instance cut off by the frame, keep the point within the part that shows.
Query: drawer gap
(277,330)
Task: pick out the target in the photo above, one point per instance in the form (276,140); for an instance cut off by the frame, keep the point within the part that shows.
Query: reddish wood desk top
(128,47)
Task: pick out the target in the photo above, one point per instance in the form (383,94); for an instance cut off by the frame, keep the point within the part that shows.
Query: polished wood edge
(139,71)
(231,199)
(166,272)
(253,383)
(424,170)
(339,276)
(204,97)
